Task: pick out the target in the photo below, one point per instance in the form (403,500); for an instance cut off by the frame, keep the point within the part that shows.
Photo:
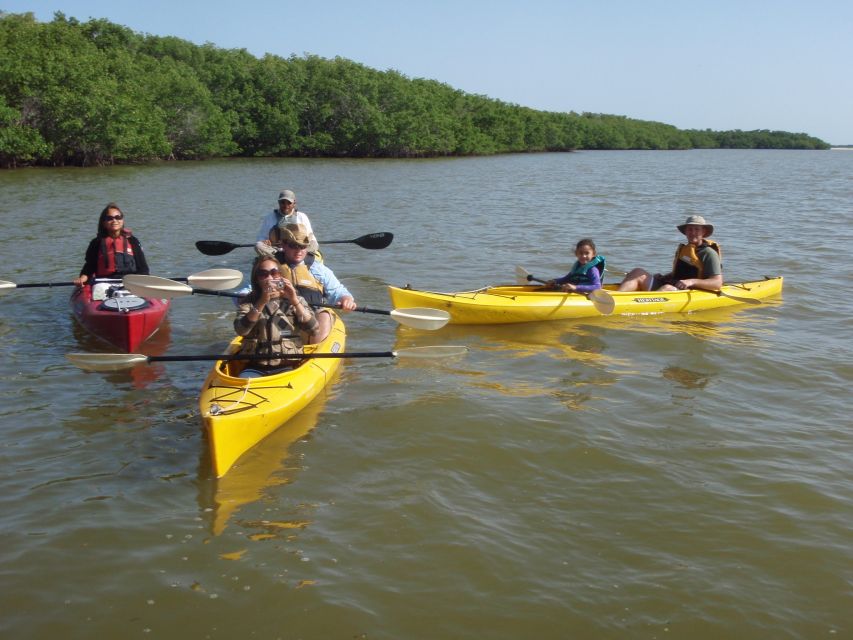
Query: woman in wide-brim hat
(697,263)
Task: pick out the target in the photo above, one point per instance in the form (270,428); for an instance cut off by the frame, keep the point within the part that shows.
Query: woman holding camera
(273,319)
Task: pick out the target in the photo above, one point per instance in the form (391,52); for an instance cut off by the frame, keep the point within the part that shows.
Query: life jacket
(687,263)
(306,284)
(579,273)
(115,256)
(274,335)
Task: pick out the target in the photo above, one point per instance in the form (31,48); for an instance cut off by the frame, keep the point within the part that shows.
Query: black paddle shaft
(231,294)
(272,356)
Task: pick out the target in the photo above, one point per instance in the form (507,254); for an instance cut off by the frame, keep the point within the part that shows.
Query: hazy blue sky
(718,64)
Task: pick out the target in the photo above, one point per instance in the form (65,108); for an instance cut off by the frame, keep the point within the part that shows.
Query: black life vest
(687,263)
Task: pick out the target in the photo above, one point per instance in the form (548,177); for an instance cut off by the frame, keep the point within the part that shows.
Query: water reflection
(264,467)
(560,340)
(686,378)
(140,376)
(733,325)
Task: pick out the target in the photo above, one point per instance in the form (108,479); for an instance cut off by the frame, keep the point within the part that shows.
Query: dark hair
(585,242)
(110,206)
(256,285)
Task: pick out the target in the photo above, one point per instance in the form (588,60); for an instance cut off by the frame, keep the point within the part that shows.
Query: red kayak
(112,313)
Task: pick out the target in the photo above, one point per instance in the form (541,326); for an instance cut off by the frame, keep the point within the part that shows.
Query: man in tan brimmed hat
(313,280)
(285,213)
(697,264)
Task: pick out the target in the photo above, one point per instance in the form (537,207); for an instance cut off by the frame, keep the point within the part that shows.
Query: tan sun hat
(295,232)
(709,228)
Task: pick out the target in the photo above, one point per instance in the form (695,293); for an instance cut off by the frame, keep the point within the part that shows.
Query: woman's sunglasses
(117,217)
(298,247)
(266,273)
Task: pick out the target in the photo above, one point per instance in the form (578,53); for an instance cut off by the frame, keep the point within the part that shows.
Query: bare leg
(324,319)
(636,280)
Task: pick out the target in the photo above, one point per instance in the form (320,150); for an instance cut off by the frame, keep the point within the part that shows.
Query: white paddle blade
(154,287)
(521,275)
(439,351)
(216,279)
(602,301)
(421,318)
(6,286)
(106,361)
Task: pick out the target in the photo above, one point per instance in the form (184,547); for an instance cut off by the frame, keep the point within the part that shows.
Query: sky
(697,64)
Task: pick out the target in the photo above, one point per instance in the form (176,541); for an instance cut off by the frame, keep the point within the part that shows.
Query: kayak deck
(121,319)
(240,412)
(530,303)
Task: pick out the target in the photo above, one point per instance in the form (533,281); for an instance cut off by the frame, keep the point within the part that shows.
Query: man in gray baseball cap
(285,213)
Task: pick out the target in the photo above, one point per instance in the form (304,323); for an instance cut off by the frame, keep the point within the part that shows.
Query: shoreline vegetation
(96,93)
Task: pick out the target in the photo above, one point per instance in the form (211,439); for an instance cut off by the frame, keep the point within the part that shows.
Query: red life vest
(115,256)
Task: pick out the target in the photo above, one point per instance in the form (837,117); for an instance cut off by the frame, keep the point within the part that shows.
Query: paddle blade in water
(106,361)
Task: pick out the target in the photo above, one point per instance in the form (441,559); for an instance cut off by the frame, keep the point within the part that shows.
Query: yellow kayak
(240,412)
(532,303)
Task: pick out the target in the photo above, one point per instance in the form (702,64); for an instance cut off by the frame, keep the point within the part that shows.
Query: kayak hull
(124,321)
(240,412)
(530,303)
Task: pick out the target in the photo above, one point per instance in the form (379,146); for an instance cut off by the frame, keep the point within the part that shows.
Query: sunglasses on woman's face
(298,247)
(266,273)
(116,217)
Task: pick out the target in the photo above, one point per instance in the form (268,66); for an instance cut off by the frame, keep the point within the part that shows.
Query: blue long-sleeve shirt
(594,276)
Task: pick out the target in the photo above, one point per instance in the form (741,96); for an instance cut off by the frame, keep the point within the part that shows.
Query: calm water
(642,477)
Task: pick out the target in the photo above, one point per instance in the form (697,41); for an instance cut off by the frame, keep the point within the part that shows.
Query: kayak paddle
(733,297)
(212,278)
(154,287)
(601,299)
(120,361)
(370,241)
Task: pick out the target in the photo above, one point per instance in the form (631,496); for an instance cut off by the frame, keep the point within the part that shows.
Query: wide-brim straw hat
(296,233)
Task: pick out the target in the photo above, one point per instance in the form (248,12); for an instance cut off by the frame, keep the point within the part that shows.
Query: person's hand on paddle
(568,288)
(684,284)
(347,303)
(79,281)
(264,249)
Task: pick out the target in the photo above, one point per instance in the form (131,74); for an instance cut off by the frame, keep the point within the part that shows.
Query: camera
(279,284)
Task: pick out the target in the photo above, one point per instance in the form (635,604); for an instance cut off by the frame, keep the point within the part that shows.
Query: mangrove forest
(97,93)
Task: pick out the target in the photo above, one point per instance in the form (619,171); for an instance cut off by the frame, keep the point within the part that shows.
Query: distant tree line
(94,93)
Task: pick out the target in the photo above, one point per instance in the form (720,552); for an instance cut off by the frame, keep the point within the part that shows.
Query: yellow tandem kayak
(240,412)
(530,303)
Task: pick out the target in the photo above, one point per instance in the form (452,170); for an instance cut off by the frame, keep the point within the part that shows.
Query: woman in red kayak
(114,252)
